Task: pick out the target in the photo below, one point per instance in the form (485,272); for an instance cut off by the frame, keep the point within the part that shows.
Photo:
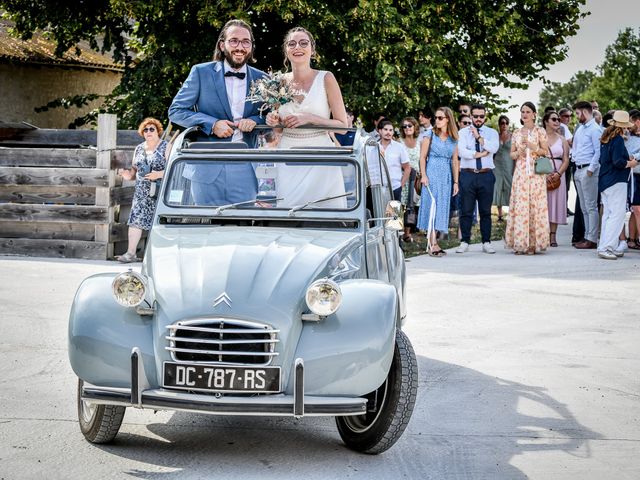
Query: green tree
(388,56)
(564,95)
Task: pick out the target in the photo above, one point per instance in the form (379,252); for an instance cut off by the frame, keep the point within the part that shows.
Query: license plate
(219,378)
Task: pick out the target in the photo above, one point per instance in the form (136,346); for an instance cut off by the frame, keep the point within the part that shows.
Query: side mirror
(395,215)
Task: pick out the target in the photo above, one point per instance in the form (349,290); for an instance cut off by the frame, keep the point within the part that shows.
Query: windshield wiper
(326,199)
(222,208)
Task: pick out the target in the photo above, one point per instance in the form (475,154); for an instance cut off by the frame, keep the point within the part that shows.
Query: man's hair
(478,106)
(383,123)
(426,112)
(634,114)
(564,111)
(219,54)
(583,105)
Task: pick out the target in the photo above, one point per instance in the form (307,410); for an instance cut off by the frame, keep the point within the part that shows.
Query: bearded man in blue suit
(213,97)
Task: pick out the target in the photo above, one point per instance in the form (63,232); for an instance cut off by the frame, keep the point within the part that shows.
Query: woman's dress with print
(557,199)
(439,174)
(504,173)
(528,221)
(144,206)
(297,185)
(414,161)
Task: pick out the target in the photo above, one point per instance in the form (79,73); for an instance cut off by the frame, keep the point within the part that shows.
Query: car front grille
(225,341)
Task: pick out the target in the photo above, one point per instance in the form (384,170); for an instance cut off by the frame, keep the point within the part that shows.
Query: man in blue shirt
(585,153)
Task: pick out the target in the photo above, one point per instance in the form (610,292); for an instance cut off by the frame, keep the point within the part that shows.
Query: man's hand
(589,173)
(246,125)
(223,128)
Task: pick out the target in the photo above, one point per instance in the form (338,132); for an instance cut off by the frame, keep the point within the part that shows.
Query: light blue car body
(264,272)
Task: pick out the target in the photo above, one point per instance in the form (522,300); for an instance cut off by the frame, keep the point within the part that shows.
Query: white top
(467,147)
(395,155)
(237,94)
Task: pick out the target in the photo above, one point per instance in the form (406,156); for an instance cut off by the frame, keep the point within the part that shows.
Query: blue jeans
(476,187)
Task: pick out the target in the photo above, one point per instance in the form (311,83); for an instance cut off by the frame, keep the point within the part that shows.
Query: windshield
(293,185)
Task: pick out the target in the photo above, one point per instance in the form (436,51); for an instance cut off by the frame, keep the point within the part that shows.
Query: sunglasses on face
(149,129)
(554,119)
(463,110)
(567,115)
(408,125)
(467,122)
(477,116)
(439,117)
(234,42)
(302,44)
(503,123)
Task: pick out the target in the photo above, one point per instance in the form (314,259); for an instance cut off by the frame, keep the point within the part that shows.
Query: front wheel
(98,423)
(389,408)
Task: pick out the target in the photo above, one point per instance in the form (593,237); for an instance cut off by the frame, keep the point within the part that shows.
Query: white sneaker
(463,247)
(488,248)
(618,253)
(608,255)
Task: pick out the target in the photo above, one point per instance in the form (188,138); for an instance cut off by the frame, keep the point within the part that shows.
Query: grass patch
(419,245)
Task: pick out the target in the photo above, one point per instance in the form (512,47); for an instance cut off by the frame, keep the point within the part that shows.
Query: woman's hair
(452,126)
(503,118)
(416,127)
(219,54)
(150,121)
(547,116)
(314,54)
(610,133)
(529,105)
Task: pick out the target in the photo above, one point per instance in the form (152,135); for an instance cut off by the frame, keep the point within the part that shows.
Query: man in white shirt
(396,158)
(476,146)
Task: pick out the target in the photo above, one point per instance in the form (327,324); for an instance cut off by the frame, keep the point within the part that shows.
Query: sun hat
(620,119)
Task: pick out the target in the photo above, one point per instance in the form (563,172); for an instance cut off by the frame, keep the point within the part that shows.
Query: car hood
(259,269)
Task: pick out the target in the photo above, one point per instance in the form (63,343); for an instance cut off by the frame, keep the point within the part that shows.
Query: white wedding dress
(298,185)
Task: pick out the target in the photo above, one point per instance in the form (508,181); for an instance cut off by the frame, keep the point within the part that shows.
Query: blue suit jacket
(205,90)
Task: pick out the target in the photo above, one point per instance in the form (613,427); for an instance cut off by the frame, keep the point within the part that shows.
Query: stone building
(32,76)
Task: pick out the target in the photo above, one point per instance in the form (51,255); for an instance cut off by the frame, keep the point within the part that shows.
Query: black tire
(98,423)
(382,426)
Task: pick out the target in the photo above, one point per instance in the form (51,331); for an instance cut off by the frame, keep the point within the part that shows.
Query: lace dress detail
(298,185)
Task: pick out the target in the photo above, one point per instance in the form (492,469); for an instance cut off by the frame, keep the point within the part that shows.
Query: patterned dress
(528,221)
(439,173)
(144,206)
(504,173)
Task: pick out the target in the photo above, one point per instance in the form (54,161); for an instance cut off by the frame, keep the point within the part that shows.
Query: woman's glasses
(503,123)
(301,43)
(407,125)
(149,129)
(234,42)
(466,122)
(554,119)
(439,117)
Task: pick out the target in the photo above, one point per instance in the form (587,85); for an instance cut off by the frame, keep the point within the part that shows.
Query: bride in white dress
(322,105)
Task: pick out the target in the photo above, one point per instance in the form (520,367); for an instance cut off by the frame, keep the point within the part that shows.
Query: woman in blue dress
(439,167)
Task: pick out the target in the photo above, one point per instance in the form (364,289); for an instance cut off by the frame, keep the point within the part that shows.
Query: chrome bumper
(296,405)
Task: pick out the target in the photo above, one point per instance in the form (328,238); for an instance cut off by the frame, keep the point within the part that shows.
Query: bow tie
(240,75)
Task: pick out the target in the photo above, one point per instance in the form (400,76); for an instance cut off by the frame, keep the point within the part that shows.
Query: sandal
(127,258)
(633,244)
(436,253)
(552,239)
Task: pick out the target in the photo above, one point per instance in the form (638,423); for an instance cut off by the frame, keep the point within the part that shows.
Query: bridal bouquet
(272,91)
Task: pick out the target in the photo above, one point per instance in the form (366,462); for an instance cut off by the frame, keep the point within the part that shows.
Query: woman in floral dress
(409,134)
(148,166)
(440,170)
(528,221)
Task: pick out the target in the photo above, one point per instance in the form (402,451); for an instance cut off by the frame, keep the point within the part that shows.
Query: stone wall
(26,86)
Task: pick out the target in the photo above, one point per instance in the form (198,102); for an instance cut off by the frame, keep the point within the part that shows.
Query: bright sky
(586,48)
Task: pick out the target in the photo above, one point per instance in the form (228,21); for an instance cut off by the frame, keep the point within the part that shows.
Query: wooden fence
(59,193)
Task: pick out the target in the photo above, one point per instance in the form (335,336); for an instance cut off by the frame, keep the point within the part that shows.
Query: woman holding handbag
(409,135)
(556,186)
(439,167)
(528,222)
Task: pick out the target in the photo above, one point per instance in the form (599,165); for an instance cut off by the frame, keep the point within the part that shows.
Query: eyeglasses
(463,110)
(301,43)
(554,119)
(566,115)
(408,125)
(439,117)
(149,129)
(466,122)
(234,42)
(477,116)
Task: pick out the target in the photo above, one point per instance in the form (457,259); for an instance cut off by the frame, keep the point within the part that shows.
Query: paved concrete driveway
(528,367)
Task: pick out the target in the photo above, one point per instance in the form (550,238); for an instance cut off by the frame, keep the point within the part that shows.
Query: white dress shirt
(237,94)
(395,155)
(467,147)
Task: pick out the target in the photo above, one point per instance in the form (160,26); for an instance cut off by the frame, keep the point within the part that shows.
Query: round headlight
(128,289)
(323,297)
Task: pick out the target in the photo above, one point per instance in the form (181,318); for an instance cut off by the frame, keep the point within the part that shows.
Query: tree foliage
(614,86)
(387,56)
